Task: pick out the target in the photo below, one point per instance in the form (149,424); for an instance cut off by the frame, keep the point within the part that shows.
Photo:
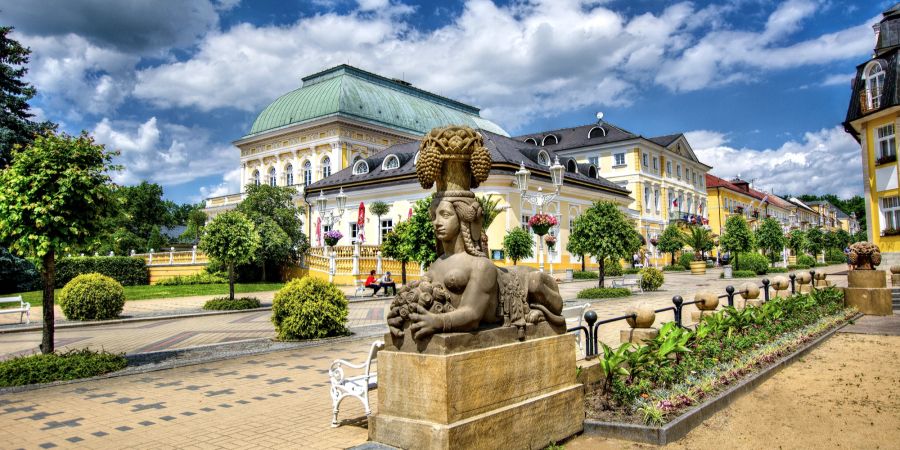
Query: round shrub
(92,296)
(309,308)
(604,293)
(753,262)
(685,260)
(651,279)
(806,260)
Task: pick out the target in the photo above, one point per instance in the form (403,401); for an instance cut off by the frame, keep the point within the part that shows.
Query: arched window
(307,173)
(531,141)
(596,132)
(289,174)
(592,171)
(326,167)
(256,177)
(360,167)
(390,163)
(874,82)
(572,166)
(550,139)
(543,158)
(273,177)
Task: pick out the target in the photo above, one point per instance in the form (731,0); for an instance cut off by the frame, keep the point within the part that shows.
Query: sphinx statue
(463,290)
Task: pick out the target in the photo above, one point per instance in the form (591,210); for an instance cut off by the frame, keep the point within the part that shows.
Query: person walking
(847,257)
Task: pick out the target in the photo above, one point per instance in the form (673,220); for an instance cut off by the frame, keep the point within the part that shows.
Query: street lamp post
(539,199)
(331,218)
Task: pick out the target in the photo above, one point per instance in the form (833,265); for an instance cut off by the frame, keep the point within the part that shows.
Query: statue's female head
(458,218)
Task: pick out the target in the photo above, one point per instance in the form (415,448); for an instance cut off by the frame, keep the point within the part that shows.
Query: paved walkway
(278,400)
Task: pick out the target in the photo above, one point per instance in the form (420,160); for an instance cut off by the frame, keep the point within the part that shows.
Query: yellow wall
(873,196)
(162,272)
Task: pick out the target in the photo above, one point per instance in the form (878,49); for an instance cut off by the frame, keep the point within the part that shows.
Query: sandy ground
(844,394)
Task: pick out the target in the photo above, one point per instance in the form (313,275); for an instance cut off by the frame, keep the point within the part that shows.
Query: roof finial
(599,116)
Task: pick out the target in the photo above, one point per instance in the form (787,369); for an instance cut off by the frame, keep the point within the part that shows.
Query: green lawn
(151,292)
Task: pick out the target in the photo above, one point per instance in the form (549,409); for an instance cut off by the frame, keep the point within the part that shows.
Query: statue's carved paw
(534,316)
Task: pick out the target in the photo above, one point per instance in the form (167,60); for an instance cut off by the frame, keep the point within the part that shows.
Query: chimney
(741,184)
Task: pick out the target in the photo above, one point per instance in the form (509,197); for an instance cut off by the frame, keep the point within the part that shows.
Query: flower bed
(655,383)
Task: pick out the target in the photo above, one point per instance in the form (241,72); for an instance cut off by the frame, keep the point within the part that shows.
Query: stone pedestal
(696,316)
(867,291)
(753,302)
(895,279)
(638,335)
(478,390)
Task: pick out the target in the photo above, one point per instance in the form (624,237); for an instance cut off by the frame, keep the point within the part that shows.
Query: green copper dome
(353,93)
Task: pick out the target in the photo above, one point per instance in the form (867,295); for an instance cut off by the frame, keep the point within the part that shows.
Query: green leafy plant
(753,262)
(604,293)
(612,364)
(684,261)
(699,239)
(231,238)
(518,244)
(128,271)
(50,367)
(651,279)
(604,232)
(678,268)
(740,274)
(737,237)
(197,278)
(585,275)
(309,308)
(670,241)
(806,260)
(17,274)
(815,242)
(92,296)
(227,304)
(612,268)
(835,256)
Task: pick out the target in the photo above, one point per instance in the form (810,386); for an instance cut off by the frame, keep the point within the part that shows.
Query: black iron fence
(591,330)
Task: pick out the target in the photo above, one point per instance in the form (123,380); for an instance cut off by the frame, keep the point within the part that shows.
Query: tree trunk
(672,262)
(602,270)
(231,281)
(264,272)
(515,263)
(582,263)
(49,278)
(402,272)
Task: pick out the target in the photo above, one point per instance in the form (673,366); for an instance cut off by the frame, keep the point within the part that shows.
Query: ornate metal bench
(22,307)
(630,281)
(356,386)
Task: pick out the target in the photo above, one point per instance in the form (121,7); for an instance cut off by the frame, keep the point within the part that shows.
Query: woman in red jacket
(371,283)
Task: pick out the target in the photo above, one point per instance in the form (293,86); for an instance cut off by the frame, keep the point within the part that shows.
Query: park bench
(356,386)
(21,307)
(575,322)
(630,281)
(360,287)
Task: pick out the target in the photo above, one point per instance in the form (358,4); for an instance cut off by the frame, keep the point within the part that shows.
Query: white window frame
(289,175)
(885,141)
(354,231)
(669,168)
(619,159)
(656,199)
(273,177)
(874,85)
(678,171)
(646,197)
(646,160)
(390,163)
(360,167)
(655,163)
(543,158)
(256,177)
(595,160)
(307,173)
(386,226)
(326,167)
(889,207)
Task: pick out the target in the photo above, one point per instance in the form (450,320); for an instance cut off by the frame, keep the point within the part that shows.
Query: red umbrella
(361,224)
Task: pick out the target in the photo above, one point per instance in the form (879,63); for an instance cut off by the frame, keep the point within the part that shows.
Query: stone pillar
(150,263)
(867,291)
(750,295)
(709,301)
(331,263)
(378,262)
(193,254)
(895,276)
(171,255)
(804,280)
(641,325)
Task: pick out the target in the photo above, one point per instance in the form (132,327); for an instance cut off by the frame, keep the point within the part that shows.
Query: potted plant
(700,239)
(332,237)
(540,223)
(550,240)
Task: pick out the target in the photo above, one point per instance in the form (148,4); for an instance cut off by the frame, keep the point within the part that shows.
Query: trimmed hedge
(604,293)
(631,271)
(752,261)
(127,270)
(740,274)
(51,367)
(798,267)
(777,270)
(309,308)
(585,275)
(92,296)
(198,278)
(675,268)
(227,304)
(651,279)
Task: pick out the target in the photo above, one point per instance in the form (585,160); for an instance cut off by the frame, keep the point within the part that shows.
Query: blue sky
(759,87)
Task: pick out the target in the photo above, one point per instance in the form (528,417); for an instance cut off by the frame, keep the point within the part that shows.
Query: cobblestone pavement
(279,399)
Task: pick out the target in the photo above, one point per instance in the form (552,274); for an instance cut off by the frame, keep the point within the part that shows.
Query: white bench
(22,307)
(575,322)
(357,386)
(360,287)
(630,281)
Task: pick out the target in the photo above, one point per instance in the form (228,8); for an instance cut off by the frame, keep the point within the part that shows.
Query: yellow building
(827,215)
(873,118)
(736,197)
(666,180)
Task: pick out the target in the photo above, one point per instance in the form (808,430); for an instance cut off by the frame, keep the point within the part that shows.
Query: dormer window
(543,158)
(550,139)
(531,141)
(572,166)
(596,132)
(361,167)
(390,163)
(874,76)
(592,171)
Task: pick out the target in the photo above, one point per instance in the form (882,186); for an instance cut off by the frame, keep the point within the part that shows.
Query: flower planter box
(698,267)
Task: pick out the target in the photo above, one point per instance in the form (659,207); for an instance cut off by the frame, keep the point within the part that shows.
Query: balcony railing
(869,99)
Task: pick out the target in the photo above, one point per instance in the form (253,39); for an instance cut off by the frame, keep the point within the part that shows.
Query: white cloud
(231,183)
(838,79)
(168,154)
(824,161)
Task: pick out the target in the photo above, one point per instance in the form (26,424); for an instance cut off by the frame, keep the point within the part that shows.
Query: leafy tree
(860,236)
(412,240)
(231,238)
(144,210)
(274,248)
(670,241)
(604,232)
(55,195)
(157,241)
(815,241)
(698,238)
(379,208)
(737,237)
(393,247)
(842,239)
(796,241)
(16,127)
(576,247)
(770,238)
(518,244)
(264,202)
(195,221)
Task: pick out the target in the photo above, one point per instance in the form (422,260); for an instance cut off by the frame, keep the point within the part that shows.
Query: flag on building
(319,231)
(410,214)
(361,224)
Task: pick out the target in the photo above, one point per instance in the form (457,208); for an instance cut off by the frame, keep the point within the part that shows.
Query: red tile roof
(713,181)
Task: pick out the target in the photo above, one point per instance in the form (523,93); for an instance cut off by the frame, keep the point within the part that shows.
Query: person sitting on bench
(371,283)
(387,282)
